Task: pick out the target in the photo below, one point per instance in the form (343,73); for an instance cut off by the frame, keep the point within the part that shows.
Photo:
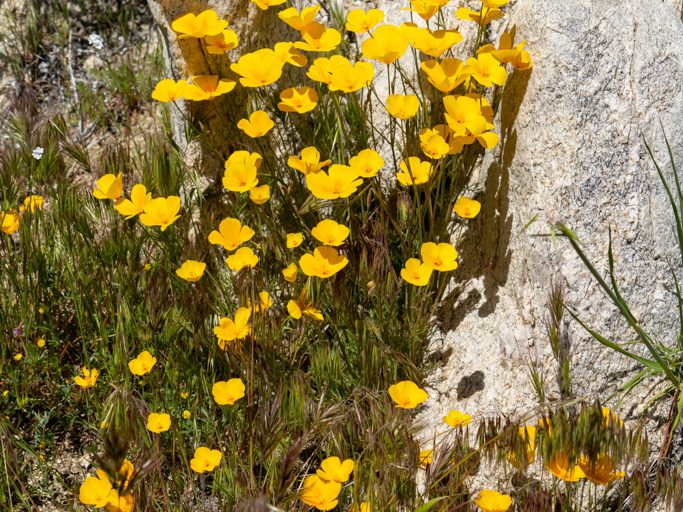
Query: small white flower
(96,41)
(37,152)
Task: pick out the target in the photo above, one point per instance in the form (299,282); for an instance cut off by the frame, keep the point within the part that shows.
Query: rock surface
(604,78)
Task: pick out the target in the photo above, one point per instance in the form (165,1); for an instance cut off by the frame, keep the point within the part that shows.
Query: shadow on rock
(485,246)
(470,384)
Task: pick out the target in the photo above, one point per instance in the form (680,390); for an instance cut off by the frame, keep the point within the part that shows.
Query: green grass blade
(615,346)
(430,504)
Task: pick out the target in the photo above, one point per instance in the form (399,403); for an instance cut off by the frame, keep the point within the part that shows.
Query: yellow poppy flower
(259,68)
(332,469)
(318,38)
(445,75)
(481,18)
(169,90)
(416,273)
(241,156)
(425,9)
(244,257)
(486,70)
(493,501)
(298,99)
(494,3)
(294,240)
(506,51)
(324,262)
(241,171)
(205,460)
(317,493)
(142,364)
(206,23)
(158,422)
(321,69)
(221,43)
(309,161)
(121,499)
(442,257)
(435,43)
(329,232)
(301,306)
(162,211)
(191,270)
(433,144)
(32,203)
(290,272)
(89,378)
(96,491)
(347,77)
(229,330)
(231,234)
(367,163)
(414,172)
(227,392)
(560,466)
(426,458)
(298,308)
(464,116)
(264,4)
(402,106)
(467,208)
(362,507)
(109,186)
(457,419)
(265,303)
(386,45)
(611,418)
(407,395)
(360,21)
(258,124)
(600,469)
(139,198)
(208,87)
(10,221)
(299,21)
(259,195)
(288,54)
(341,181)
(523,60)
(527,435)
(294,309)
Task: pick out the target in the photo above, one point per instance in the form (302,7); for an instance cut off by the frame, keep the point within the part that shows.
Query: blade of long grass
(618,302)
(672,201)
(615,346)
(430,504)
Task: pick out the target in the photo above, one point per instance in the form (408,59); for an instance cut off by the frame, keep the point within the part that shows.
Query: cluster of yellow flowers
(408,395)
(441,257)
(467,118)
(161,211)
(322,489)
(109,491)
(599,469)
(100,491)
(10,219)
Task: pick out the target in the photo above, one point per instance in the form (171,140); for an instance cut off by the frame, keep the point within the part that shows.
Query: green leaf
(430,504)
